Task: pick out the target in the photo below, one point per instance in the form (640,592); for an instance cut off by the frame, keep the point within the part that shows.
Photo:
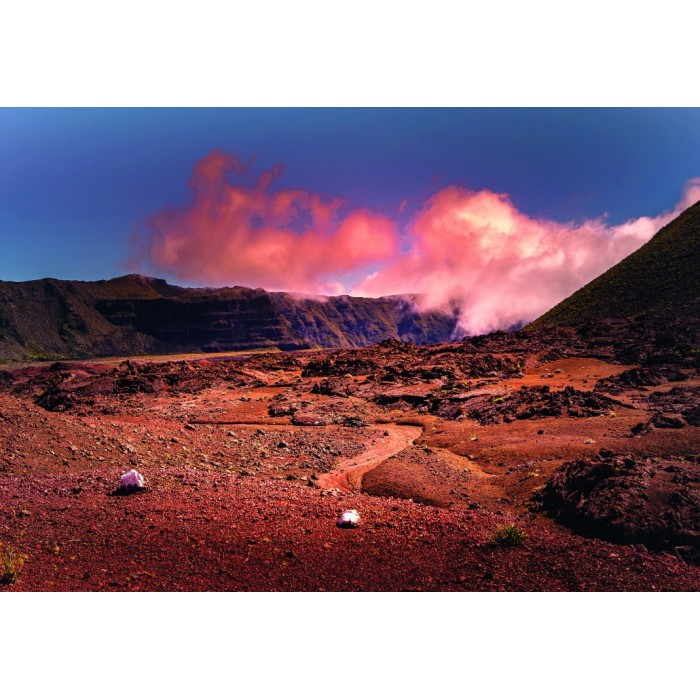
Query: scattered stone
(667,421)
(310,419)
(641,428)
(348,519)
(132,481)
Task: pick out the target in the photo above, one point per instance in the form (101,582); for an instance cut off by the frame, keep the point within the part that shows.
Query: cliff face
(134,315)
(356,322)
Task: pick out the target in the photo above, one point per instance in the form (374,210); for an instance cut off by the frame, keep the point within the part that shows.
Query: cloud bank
(503,267)
(473,248)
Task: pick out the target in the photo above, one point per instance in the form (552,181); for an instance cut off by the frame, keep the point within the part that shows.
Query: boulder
(629,499)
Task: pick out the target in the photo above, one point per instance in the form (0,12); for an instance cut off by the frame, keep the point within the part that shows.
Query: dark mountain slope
(660,280)
(52,318)
(134,315)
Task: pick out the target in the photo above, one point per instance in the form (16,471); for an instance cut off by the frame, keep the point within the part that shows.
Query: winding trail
(347,476)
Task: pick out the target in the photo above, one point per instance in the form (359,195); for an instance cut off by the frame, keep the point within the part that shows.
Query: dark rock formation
(624,498)
(525,404)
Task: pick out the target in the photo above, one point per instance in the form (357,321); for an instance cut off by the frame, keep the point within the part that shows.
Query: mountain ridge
(134,314)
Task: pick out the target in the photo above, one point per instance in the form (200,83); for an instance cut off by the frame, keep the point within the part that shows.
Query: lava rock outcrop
(525,404)
(628,499)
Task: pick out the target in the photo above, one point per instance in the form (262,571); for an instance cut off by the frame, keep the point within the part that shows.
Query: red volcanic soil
(249,462)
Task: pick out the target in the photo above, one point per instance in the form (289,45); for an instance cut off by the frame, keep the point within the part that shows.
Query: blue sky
(76,183)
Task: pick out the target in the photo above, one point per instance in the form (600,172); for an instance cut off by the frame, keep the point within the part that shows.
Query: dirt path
(347,476)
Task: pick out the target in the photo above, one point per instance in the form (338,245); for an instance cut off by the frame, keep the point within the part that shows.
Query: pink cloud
(249,235)
(473,248)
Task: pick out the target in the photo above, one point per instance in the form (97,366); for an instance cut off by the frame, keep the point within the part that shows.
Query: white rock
(348,518)
(132,480)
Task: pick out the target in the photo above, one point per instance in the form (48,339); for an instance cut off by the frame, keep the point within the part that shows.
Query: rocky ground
(586,441)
